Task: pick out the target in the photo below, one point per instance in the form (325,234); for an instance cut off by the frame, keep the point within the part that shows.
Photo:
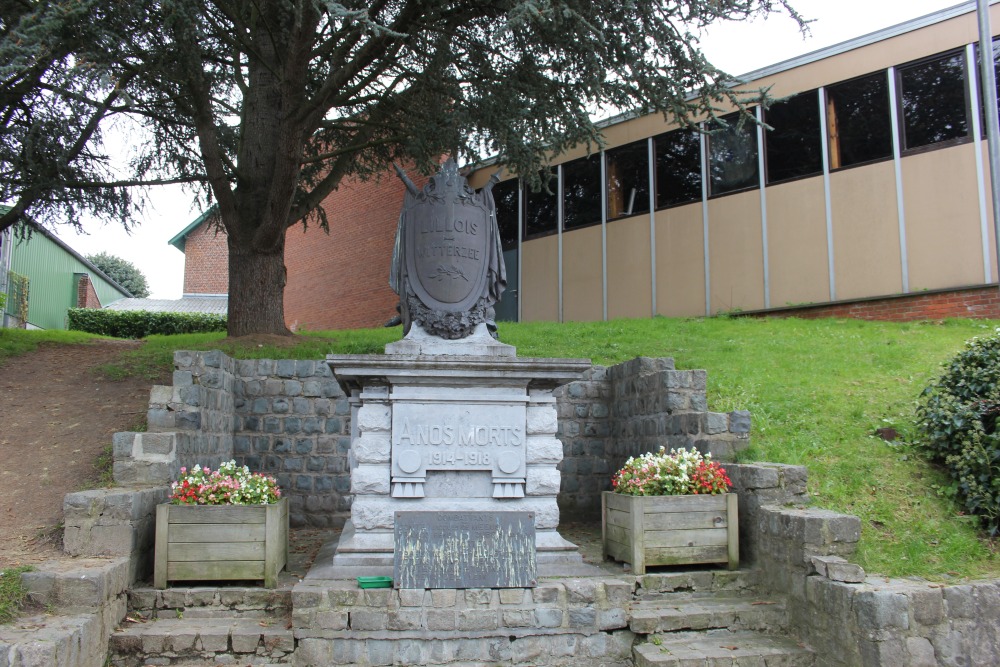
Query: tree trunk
(256,289)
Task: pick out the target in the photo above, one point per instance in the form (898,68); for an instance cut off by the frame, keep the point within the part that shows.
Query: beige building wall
(736,252)
(798,266)
(630,281)
(680,262)
(866,252)
(943,230)
(583,278)
(941,203)
(539,290)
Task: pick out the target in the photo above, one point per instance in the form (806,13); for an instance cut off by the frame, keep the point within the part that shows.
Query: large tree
(269,104)
(123,272)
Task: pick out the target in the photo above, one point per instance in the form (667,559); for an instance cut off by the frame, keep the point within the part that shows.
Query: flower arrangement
(229,485)
(675,473)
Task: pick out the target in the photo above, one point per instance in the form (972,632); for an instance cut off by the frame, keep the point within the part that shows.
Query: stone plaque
(450,436)
(464,550)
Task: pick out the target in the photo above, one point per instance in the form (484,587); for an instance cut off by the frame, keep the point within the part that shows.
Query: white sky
(736,48)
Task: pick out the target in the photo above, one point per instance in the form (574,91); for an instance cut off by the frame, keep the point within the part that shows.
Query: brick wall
(336,280)
(86,296)
(206,261)
(976,302)
(340,280)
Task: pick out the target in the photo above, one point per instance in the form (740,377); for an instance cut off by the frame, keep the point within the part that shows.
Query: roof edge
(86,262)
(178,240)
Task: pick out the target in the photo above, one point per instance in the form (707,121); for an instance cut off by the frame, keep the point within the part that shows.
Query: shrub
(958,427)
(142,323)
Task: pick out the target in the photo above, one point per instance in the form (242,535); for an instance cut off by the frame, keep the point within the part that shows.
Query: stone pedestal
(451,425)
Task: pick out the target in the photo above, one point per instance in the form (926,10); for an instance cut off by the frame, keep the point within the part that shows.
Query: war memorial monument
(454,450)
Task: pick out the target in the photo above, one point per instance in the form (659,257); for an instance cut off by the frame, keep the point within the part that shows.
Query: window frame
(707,174)
(607,179)
(656,175)
(884,73)
(598,160)
(897,71)
(820,130)
(528,192)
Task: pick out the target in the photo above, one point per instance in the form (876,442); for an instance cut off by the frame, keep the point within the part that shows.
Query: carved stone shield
(447,237)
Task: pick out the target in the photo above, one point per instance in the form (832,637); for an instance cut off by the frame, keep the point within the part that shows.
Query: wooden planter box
(670,530)
(220,542)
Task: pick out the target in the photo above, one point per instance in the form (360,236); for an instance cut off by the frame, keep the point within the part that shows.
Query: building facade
(870,182)
(864,192)
(43,278)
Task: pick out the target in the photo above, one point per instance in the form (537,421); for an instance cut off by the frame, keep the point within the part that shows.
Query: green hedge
(959,429)
(142,323)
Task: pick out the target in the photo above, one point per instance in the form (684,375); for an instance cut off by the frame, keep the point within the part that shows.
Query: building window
(794,146)
(505,197)
(858,121)
(628,180)
(678,168)
(582,192)
(541,213)
(933,100)
(732,155)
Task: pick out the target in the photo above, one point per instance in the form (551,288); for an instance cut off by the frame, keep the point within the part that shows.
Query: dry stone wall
(290,419)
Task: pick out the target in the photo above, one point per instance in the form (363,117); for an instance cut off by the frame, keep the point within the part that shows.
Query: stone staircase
(679,619)
(205,626)
(692,619)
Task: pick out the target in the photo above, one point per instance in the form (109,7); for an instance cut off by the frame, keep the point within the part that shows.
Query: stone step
(722,648)
(682,611)
(695,581)
(209,602)
(188,640)
(68,637)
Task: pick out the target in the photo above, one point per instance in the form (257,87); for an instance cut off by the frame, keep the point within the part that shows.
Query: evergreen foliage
(141,323)
(123,272)
(958,421)
(266,107)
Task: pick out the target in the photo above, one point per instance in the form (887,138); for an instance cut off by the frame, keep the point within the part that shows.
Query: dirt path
(57,415)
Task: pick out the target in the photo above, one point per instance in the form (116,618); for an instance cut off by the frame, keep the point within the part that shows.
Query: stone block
(546,593)
(549,618)
(214,639)
(580,591)
(541,419)
(412,597)
(611,619)
(441,619)
(512,595)
(478,597)
(739,422)
(517,618)
(445,597)
(618,593)
(543,449)
(374,417)
(370,480)
(405,619)
(245,640)
(381,598)
(583,617)
(478,619)
(372,448)
(877,610)
(364,619)
(542,481)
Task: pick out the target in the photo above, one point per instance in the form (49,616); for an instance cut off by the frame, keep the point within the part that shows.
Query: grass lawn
(817,390)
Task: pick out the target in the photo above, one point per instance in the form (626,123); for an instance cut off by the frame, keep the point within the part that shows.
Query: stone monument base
(442,425)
